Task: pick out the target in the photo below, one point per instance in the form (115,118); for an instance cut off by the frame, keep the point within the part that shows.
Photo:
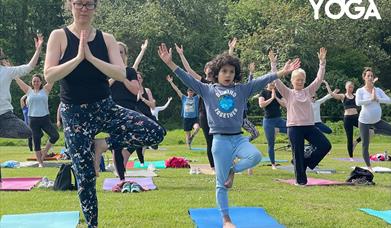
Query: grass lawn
(178,191)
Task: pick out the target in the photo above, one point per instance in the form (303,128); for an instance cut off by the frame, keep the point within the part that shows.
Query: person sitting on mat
(225,101)
(300,119)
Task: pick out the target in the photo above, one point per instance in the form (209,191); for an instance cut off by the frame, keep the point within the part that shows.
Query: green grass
(178,191)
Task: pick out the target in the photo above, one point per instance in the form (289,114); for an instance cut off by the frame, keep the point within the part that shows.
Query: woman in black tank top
(82,59)
(350,118)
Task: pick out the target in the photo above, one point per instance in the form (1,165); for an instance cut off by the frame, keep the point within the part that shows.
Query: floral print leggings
(83,122)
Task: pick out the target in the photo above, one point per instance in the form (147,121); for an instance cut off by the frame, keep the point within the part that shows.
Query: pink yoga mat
(315,182)
(19,184)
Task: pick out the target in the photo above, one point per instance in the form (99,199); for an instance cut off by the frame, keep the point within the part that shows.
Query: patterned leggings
(82,123)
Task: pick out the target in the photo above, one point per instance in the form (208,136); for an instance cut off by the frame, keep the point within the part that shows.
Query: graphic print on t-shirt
(189,105)
(226,105)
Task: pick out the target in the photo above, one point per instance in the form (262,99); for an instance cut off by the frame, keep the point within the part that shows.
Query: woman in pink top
(300,119)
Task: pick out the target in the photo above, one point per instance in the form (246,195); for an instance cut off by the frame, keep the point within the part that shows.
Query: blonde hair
(349,82)
(297,72)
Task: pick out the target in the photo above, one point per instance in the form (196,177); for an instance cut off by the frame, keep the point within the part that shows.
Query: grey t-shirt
(225,104)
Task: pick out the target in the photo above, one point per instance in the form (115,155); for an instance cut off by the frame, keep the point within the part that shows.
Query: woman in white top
(155,111)
(39,120)
(10,125)
(369,98)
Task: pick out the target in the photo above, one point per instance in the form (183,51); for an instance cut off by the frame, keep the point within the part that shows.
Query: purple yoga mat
(146,183)
(19,184)
(354,159)
(348,159)
(315,182)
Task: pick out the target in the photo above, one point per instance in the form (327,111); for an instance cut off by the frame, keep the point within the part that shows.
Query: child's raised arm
(232,45)
(189,81)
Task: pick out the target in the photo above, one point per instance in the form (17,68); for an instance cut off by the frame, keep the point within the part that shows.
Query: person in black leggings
(350,118)
(39,119)
(131,94)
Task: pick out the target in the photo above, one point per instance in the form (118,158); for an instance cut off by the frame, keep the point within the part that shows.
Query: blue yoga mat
(267,159)
(242,217)
(385,215)
(65,219)
(198,148)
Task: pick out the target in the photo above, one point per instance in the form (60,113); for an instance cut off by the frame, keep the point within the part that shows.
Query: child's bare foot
(230,180)
(100,146)
(250,172)
(227,223)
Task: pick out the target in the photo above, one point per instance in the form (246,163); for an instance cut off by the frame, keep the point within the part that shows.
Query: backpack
(361,176)
(63,180)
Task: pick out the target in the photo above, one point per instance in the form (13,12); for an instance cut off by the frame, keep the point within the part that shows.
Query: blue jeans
(269,124)
(225,148)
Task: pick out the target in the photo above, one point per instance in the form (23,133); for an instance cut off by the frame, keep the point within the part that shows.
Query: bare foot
(100,146)
(274,166)
(230,180)
(250,172)
(351,159)
(227,223)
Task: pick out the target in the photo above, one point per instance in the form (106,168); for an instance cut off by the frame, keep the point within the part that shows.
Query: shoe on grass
(126,187)
(135,188)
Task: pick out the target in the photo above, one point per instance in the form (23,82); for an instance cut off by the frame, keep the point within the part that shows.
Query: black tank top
(85,84)
(349,103)
(121,95)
